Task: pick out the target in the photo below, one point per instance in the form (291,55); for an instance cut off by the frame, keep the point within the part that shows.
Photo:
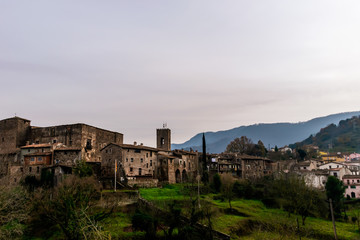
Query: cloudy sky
(129,66)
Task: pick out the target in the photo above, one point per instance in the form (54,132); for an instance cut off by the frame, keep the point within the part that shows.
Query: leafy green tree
(335,190)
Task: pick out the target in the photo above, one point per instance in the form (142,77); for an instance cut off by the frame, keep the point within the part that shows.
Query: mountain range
(271,134)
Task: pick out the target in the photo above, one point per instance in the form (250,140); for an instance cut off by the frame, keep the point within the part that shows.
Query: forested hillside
(344,137)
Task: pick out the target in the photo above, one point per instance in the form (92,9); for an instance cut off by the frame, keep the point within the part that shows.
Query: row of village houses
(27,150)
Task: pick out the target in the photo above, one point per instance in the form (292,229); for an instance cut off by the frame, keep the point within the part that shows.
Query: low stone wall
(119,198)
(144,183)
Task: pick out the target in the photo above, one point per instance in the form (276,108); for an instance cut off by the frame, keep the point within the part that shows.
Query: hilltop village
(27,150)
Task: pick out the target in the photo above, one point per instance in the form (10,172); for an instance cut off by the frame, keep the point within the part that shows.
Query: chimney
(135,143)
(141,144)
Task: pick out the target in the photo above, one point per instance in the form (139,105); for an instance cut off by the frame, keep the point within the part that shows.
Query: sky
(130,66)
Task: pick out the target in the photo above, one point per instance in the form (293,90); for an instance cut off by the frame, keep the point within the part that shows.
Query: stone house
(255,167)
(136,161)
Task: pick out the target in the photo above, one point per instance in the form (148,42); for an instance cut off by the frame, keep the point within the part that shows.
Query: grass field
(250,219)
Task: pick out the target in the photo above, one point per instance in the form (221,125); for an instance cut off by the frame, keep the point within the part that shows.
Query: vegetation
(342,138)
(281,208)
(244,145)
(335,191)
(265,209)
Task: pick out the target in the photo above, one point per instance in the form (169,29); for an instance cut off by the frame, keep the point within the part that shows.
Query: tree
(276,148)
(241,145)
(227,188)
(302,154)
(261,150)
(69,206)
(335,191)
(217,182)
(205,174)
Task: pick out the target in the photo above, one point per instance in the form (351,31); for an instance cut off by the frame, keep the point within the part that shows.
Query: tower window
(162,141)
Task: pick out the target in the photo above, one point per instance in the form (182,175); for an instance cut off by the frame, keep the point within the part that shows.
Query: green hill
(344,137)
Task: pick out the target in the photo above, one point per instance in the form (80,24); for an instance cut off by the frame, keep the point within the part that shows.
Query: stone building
(81,136)
(178,166)
(25,149)
(241,166)
(138,163)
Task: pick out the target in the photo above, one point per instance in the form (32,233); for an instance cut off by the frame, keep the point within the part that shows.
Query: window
(131,169)
(32,159)
(37,169)
(28,150)
(162,141)
(54,141)
(137,151)
(110,150)
(335,174)
(131,160)
(348,181)
(358,181)
(70,142)
(147,165)
(3,139)
(141,160)
(147,154)
(39,159)
(150,163)
(88,144)
(139,171)
(150,154)
(353,186)
(329,167)
(30,169)
(21,169)
(37,142)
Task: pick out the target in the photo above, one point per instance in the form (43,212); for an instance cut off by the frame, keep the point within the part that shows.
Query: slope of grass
(250,219)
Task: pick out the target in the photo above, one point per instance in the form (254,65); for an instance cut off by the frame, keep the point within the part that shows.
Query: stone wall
(13,133)
(67,157)
(87,138)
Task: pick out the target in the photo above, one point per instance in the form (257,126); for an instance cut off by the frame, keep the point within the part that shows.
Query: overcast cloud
(129,66)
